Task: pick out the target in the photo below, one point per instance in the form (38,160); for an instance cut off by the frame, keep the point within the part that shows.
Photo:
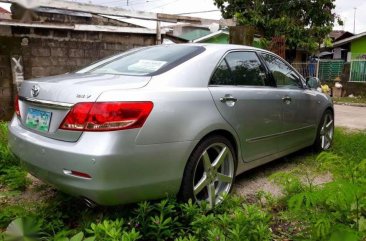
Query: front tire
(210,171)
(325,132)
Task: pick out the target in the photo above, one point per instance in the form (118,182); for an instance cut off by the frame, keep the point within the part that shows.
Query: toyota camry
(178,120)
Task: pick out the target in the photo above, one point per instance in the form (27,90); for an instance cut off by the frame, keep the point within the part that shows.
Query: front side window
(239,68)
(284,76)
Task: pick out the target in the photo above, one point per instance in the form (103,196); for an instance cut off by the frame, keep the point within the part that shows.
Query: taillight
(16,106)
(107,116)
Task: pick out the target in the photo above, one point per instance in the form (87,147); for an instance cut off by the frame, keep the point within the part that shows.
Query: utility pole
(354,20)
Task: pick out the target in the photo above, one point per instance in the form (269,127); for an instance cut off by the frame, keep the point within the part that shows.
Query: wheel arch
(231,137)
(228,135)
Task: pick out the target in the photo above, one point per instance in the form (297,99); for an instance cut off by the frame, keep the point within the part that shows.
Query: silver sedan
(166,120)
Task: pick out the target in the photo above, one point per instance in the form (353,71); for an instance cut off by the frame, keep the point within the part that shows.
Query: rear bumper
(121,171)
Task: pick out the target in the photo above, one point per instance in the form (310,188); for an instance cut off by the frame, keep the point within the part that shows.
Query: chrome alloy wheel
(214,174)
(326,131)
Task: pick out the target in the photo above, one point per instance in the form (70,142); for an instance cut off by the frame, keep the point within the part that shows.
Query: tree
(304,23)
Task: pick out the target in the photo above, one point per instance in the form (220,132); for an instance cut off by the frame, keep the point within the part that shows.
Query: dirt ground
(249,183)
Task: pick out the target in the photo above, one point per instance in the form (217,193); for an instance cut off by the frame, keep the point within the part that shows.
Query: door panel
(299,104)
(256,117)
(298,118)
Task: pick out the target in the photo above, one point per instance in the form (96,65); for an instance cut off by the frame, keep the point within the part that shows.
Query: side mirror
(313,82)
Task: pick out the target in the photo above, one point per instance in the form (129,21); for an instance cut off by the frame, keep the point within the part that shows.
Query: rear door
(245,99)
(299,104)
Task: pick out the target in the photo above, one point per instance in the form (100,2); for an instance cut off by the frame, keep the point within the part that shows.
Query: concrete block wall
(46,57)
(54,52)
(6,88)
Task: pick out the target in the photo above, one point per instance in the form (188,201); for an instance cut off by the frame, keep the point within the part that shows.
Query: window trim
(267,81)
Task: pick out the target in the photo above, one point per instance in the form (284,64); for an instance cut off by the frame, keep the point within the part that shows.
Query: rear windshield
(146,61)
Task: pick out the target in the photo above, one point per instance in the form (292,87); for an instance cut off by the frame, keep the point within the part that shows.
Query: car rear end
(70,134)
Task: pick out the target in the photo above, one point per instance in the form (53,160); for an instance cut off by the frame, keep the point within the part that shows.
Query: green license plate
(38,120)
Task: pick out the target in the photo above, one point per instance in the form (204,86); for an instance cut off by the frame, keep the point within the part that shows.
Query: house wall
(48,52)
(358,47)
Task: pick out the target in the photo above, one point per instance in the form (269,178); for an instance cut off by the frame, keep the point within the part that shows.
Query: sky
(344,8)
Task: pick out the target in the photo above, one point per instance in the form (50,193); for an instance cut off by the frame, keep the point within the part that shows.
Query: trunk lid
(56,95)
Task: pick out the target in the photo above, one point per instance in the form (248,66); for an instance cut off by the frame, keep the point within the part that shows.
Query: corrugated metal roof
(80,27)
(195,34)
(348,40)
(63,12)
(212,35)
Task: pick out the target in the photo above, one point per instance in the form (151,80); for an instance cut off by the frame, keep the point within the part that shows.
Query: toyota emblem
(35,90)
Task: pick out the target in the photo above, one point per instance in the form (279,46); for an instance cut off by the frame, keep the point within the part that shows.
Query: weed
(12,175)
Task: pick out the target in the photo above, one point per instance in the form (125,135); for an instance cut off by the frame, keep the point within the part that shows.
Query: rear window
(146,61)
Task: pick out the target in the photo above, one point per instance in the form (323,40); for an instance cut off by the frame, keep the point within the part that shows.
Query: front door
(298,107)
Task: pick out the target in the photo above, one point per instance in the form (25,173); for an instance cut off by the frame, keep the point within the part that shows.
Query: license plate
(38,120)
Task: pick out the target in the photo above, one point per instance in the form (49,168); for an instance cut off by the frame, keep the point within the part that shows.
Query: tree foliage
(304,23)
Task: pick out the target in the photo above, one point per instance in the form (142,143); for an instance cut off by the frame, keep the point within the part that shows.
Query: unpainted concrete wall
(47,52)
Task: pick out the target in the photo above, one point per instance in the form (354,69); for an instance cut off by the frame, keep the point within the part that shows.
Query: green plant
(107,230)
(337,207)
(12,175)
(9,213)
(24,229)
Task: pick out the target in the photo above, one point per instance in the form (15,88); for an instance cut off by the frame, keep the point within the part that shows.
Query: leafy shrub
(12,175)
(335,210)
(10,212)
(169,220)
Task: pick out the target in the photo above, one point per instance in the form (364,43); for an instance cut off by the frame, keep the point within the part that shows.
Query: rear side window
(222,75)
(239,68)
(284,76)
(147,61)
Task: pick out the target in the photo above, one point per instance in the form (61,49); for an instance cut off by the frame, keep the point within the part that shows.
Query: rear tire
(210,171)
(325,133)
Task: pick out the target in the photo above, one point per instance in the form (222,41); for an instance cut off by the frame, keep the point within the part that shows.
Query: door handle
(227,98)
(287,99)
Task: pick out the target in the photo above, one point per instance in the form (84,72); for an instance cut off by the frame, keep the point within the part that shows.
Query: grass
(12,175)
(349,100)
(307,210)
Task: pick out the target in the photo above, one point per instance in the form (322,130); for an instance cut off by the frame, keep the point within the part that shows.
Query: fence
(358,71)
(306,69)
(325,70)
(330,69)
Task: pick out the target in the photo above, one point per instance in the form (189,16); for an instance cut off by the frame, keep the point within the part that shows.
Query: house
(337,52)
(220,36)
(351,50)
(354,46)
(187,31)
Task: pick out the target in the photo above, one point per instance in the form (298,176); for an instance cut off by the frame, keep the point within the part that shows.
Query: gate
(358,71)
(329,70)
